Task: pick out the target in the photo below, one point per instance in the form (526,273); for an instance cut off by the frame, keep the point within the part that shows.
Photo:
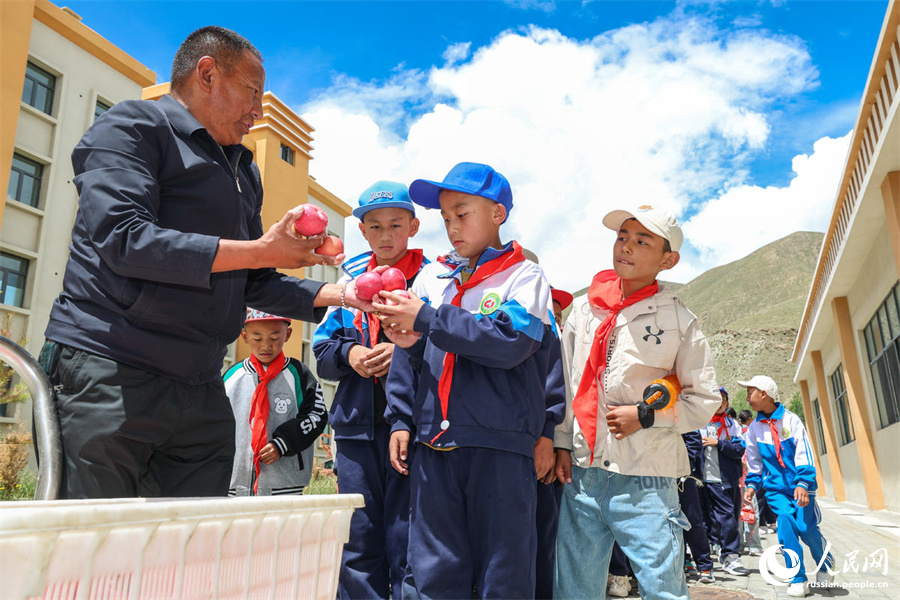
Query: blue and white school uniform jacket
(353,409)
(297,416)
(508,385)
(727,454)
(762,463)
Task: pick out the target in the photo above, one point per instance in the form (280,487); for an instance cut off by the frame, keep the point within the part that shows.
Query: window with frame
(882,335)
(13,277)
(40,86)
(287,154)
(820,432)
(25,178)
(100,108)
(842,411)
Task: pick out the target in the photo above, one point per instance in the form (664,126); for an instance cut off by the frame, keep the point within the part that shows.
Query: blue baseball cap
(384,194)
(469,178)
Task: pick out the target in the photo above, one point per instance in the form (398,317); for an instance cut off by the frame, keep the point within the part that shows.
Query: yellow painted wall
(15,36)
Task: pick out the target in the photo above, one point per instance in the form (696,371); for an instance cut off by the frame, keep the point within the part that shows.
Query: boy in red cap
(627,333)
(278,409)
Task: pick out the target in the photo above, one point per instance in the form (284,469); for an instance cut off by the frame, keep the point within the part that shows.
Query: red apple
(312,221)
(368,285)
(393,279)
(331,246)
(402,293)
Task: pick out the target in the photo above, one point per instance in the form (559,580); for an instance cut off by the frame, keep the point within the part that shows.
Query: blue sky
(707,108)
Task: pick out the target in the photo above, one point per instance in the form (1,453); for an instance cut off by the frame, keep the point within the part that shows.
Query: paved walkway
(850,529)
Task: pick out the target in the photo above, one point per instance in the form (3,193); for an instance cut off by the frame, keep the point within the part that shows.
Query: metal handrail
(46,420)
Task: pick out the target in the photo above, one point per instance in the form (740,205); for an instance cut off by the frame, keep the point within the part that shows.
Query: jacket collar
(458,263)
(777,414)
(184,122)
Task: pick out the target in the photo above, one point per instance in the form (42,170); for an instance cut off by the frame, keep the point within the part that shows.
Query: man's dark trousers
(127,432)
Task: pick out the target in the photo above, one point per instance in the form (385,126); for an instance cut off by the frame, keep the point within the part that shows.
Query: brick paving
(849,528)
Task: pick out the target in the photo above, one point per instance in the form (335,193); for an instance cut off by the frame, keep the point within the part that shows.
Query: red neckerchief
(259,407)
(410,265)
(482,272)
(605,293)
(720,419)
(776,439)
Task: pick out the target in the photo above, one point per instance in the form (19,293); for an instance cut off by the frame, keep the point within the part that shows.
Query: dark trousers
(718,502)
(127,432)
(472,525)
(548,498)
(695,537)
(618,562)
(374,560)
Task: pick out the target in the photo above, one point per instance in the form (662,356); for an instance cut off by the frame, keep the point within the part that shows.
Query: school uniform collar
(459,264)
(776,415)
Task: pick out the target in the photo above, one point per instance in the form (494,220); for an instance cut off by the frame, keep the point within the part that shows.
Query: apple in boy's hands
(368,285)
(331,246)
(393,279)
(312,221)
(401,293)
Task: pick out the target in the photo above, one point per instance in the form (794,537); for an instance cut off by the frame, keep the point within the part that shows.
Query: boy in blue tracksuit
(721,470)
(779,456)
(351,348)
(692,507)
(470,389)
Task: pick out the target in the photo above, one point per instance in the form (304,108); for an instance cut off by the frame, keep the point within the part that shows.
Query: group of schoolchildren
(497,455)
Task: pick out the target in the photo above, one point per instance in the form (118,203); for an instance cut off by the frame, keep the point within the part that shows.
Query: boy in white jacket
(619,458)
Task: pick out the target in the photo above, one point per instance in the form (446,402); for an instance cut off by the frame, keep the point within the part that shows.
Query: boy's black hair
(744,415)
(224,45)
(730,412)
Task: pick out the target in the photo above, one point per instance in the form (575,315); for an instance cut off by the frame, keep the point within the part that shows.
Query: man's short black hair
(225,46)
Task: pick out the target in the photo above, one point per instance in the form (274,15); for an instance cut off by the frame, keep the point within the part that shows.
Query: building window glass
(287,154)
(100,108)
(844,420)
(25,180)
(820,432)
(882,335)
(39,88)
(13,275)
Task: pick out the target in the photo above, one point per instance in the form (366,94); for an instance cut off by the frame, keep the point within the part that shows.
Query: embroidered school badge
(489,304)
(785,433)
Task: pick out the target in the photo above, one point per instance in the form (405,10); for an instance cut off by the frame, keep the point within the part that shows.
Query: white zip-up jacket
(651,339)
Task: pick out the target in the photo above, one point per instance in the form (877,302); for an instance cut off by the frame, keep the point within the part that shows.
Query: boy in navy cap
(471,390)
(351,348)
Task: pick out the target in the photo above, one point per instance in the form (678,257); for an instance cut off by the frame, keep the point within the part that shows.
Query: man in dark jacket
(167,249)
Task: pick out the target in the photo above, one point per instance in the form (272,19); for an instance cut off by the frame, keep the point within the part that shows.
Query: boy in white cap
(779,457)
(351,348)
(278,410)
(620,458)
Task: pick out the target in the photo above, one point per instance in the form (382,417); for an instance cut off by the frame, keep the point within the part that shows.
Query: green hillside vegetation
(750,310)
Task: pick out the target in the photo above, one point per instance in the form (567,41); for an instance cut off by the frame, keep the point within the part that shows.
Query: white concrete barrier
(264,547)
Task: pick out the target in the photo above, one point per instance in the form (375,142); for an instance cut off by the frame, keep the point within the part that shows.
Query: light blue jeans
(641,513)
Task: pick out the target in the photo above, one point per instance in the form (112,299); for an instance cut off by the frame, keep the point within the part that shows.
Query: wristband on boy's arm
(646,415)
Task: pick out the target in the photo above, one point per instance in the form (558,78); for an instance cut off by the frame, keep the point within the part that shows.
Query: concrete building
(847,350)
(57,76)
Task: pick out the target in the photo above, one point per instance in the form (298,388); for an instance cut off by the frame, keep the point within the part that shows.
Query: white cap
(258,315)
(656,220)
(764,383)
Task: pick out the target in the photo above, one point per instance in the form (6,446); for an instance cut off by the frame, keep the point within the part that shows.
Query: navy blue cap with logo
(466,177)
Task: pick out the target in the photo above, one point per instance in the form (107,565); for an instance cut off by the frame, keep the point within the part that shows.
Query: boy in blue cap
(351,348)
(471,389)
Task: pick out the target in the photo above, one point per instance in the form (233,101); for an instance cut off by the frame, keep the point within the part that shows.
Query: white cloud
(457,52)
(665,113)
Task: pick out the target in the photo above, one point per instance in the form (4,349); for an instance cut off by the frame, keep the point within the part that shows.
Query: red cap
(563,297)
(258,315)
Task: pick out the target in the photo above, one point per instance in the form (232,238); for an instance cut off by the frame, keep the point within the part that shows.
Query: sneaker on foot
(689,566)
(798,590)
(619,586)
(824,576)
(707,577)
(755,552)
(734,566)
